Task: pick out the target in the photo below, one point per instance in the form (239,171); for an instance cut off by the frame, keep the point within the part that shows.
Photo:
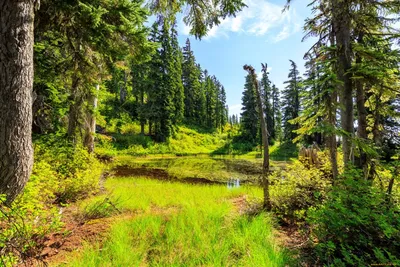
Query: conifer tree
(223,117)
(175,71)
(211,99)
(267,97)
(200,99)
(291,102)
(249,125)
(191,84)
(276,132)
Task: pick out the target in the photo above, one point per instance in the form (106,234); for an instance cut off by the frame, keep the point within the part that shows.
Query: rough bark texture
(142,119)
(331,138)
(362,161)
(342,25)
(74,113)
(264,133)
(16,82)
(362,124)
(376,133)
(91,121)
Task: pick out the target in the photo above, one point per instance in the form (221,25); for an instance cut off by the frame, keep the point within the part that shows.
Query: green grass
(185,141)
(183,225)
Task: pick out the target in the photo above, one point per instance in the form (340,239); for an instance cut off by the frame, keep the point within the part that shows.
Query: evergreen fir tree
(291,102)
(175,71)
(249,125)
(276,114)
(191,83)
(267,97)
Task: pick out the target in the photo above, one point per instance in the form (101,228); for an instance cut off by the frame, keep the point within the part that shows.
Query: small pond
(203,170)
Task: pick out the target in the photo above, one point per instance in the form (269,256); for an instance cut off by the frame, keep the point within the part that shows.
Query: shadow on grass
(284,152)
(235,147)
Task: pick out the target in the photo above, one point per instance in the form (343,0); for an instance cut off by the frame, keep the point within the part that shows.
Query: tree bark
(141,115)
(74,110)
(16,84)
(362,161)
(331,138)
(91,120)
(391,183)
(342,25)
(264,132)
(332,100)
(123,90)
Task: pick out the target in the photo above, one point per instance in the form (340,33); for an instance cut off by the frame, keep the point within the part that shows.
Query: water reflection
(233,183)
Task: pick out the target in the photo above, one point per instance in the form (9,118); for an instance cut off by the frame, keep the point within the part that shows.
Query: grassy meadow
(176,224)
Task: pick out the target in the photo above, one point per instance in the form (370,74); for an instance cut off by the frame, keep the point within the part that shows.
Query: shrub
(356,225)
(23,228)
(296,189)
(63,172)
(101,208)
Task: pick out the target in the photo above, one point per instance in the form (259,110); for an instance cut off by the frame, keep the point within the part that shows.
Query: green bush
(63,172)
(23,228)
(356,225)
(296,189)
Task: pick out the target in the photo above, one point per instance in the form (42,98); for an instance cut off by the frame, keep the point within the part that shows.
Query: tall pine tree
(291,102)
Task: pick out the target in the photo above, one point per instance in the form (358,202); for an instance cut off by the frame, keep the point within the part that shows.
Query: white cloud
(235,109)
(260,18)
(183,28)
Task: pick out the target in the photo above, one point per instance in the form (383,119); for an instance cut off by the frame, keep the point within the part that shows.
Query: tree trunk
(74,110)
(142,117)
(331,138)
(150,127)
(362,124)
(332,107)
(16,84)
(341,23)
(362,161)
(123,90)
(264,132)
(91,121)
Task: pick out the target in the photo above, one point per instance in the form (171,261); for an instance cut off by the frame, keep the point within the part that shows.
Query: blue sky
(260,33)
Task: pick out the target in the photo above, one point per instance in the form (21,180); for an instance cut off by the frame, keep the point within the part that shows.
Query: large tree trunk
(74,113)
(362,160)
(16,83)
(141,115)
(331,118)
(331,138)
(91,121)
(123,93)
(362,125)
(264,133)
(342,24)
(376,133)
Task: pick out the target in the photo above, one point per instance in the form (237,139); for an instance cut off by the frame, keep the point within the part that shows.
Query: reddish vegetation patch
(240,203)
(291,237)
(72,236)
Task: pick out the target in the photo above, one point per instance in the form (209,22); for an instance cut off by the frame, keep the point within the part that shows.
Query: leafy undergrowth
(182,225)
(62,174)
